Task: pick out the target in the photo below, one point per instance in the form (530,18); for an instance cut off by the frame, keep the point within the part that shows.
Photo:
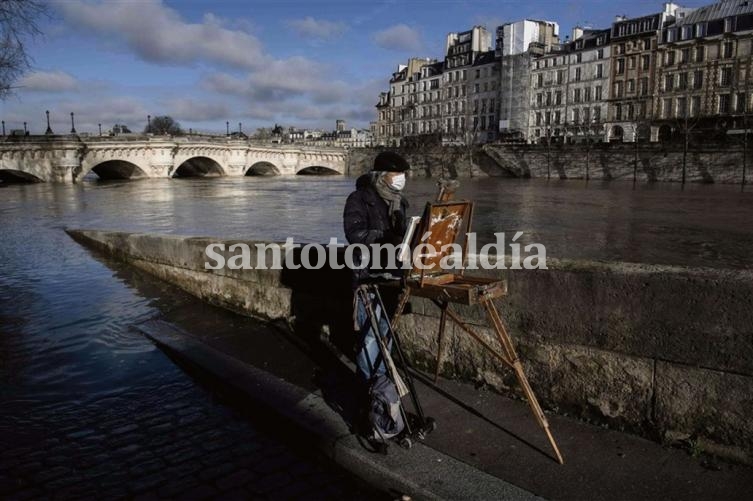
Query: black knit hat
(389,161)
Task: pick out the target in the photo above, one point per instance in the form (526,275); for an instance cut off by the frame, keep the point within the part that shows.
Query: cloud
(157,33)
(197,111)
(48,81)
(400,37)
(316,28)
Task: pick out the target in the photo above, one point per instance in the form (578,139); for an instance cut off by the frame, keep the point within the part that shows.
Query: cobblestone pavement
(163,441)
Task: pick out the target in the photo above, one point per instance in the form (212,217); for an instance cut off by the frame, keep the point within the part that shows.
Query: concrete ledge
(611,342)
(422,472)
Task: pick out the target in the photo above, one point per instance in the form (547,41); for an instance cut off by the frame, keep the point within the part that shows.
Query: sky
(288,62)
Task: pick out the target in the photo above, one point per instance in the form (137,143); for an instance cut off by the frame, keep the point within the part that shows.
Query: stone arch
(115,169)
(263,168)
(110,168)
(317,170)
(13,176)
(616,133)
(198,166)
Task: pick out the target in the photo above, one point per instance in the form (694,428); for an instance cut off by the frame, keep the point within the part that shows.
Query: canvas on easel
(445,223)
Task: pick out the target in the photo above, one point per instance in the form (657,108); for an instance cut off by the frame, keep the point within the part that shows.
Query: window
(740,103)
(695,106)
(667,108)
(698,79)
(587,94)
(669,58)
(557,97)
(600,52)
(644,86)
(586,115)
(727,49)
(579,57)
(599,71)
(631,86)
(465,74)
(576,115)
(723,103)
(538,118)
(560,76)
(576,95)
(631,62)
(646,61)
(685,55)
(618,89)
(557,117)
(597,114)
(620,66)
(478,73)
(483,123)
(683,83)
(729,24)
(539,99)
(630,112)
(577,74)
(669,82)
(726,77)
(476,88)
(618,112)
(647,44)
(699,53)
(682,104)
(597,93)
(539,80)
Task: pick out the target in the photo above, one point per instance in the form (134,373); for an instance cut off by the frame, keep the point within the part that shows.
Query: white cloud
(156,33)
(317,28)
(400,37)
(197,110)
(48,81)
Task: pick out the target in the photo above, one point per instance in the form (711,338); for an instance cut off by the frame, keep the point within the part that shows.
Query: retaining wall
(663,351)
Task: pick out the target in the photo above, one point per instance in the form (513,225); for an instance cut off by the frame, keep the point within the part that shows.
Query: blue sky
(292,62)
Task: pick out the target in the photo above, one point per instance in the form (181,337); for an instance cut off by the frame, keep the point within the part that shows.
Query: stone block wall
(663,351)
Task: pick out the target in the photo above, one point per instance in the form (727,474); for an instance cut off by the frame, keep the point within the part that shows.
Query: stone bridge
(68,159)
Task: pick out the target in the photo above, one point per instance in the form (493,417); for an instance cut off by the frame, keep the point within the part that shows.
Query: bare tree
(18,23)
(164,125)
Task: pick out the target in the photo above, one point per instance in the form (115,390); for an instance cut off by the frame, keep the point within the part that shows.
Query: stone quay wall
(666,352)
(710,163)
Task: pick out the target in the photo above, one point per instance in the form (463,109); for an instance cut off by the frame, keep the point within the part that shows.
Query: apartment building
(705,73)
(633,70)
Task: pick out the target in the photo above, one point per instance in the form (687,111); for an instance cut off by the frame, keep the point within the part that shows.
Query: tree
(164,125)
(18,22)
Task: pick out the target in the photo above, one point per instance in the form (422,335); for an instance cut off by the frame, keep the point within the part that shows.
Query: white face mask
(397,182)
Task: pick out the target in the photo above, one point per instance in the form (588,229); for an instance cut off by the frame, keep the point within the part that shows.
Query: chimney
(577,32)
(619,18)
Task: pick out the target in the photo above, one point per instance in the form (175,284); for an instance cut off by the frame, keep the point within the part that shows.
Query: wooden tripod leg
(507,345)
(440,341)
(404,296)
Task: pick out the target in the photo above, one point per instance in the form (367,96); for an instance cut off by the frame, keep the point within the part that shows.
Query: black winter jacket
(366,219)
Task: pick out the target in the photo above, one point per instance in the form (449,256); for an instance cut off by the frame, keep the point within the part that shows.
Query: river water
(66,318)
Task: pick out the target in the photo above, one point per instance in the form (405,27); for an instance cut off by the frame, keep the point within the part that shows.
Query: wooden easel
(446,288)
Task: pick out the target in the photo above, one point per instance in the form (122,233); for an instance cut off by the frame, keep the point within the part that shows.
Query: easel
(440,219)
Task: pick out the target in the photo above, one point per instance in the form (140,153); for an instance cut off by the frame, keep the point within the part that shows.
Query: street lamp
(49,129)
(73,126)
(148,124)
(3,127)
(25,131)
(227,128)
(240,128)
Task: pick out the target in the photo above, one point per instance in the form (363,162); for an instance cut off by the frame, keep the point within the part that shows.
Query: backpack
(385,417)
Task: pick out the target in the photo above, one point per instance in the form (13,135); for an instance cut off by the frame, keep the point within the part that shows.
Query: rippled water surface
(66,318)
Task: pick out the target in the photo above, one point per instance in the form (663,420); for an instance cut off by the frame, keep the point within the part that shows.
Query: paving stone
(237,479)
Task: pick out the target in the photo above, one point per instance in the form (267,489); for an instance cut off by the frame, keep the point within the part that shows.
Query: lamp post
(73,125)
(240,128)
(148,124)
(227,128)
(3,127)
(25,131)
(100,129)
(49,129)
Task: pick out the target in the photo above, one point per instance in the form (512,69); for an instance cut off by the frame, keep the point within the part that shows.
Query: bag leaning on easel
(384,412)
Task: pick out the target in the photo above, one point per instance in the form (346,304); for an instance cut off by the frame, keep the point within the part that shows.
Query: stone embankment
(652,162)
(663,351)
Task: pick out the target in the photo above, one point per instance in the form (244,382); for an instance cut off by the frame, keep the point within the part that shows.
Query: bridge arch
(263,168)
(199,166)
(13,176)
(317,170)
(116,169)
